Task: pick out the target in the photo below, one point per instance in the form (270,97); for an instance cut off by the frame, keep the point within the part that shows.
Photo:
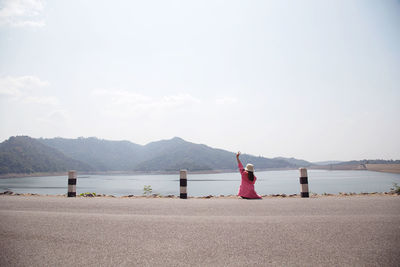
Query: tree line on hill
(24,155)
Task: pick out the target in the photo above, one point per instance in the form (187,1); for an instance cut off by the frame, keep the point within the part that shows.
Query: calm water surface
(268,182)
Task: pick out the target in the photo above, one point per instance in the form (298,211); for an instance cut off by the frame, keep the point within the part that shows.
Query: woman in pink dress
(246,189)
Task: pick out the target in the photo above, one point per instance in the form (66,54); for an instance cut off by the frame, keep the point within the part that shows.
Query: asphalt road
(334,231)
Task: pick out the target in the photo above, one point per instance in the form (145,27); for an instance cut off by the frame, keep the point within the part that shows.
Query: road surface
(334,231)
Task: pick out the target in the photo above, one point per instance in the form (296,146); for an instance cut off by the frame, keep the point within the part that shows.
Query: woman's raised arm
(239,163)
(237,158)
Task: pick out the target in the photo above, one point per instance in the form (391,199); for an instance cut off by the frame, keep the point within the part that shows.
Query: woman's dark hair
(251,176)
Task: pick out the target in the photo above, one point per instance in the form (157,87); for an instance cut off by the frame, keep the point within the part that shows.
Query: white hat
(249,167)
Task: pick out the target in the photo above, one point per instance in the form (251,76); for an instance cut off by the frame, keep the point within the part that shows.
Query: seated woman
(246,189)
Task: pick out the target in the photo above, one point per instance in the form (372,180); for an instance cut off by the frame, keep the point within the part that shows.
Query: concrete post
(304,182)
(72,184)
(183,184)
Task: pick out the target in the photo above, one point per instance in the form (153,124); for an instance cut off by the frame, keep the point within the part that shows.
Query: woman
(246,189)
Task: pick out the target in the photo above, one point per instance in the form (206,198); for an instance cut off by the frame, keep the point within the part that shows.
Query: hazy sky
(317,80)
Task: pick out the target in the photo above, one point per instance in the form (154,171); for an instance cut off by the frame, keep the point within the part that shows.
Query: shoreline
(47,174)
(155,196)
(82,173)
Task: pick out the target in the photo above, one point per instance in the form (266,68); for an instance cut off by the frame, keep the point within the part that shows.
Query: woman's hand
(237,155)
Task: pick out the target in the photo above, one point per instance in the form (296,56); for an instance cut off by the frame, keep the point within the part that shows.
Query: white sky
(317,80)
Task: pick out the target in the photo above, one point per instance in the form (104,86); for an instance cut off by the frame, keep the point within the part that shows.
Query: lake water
(268,182)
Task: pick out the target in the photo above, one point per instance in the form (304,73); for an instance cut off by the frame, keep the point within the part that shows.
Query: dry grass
(393,168)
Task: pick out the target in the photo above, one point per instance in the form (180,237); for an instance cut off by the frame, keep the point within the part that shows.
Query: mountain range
(23,154)
(26,155)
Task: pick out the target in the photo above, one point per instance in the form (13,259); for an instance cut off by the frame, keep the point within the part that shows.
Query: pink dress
(247,187)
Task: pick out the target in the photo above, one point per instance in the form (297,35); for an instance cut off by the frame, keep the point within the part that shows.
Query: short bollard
(72,184)
(304,182)
(183,184)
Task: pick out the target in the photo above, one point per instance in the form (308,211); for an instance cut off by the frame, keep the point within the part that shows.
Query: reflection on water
(268,182)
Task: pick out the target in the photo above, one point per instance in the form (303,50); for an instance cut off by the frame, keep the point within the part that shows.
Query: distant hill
(23,154)
(369,161)
(164,155)
(327,162)
(296,162)
(101,155)
(370,164)
(348,164)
